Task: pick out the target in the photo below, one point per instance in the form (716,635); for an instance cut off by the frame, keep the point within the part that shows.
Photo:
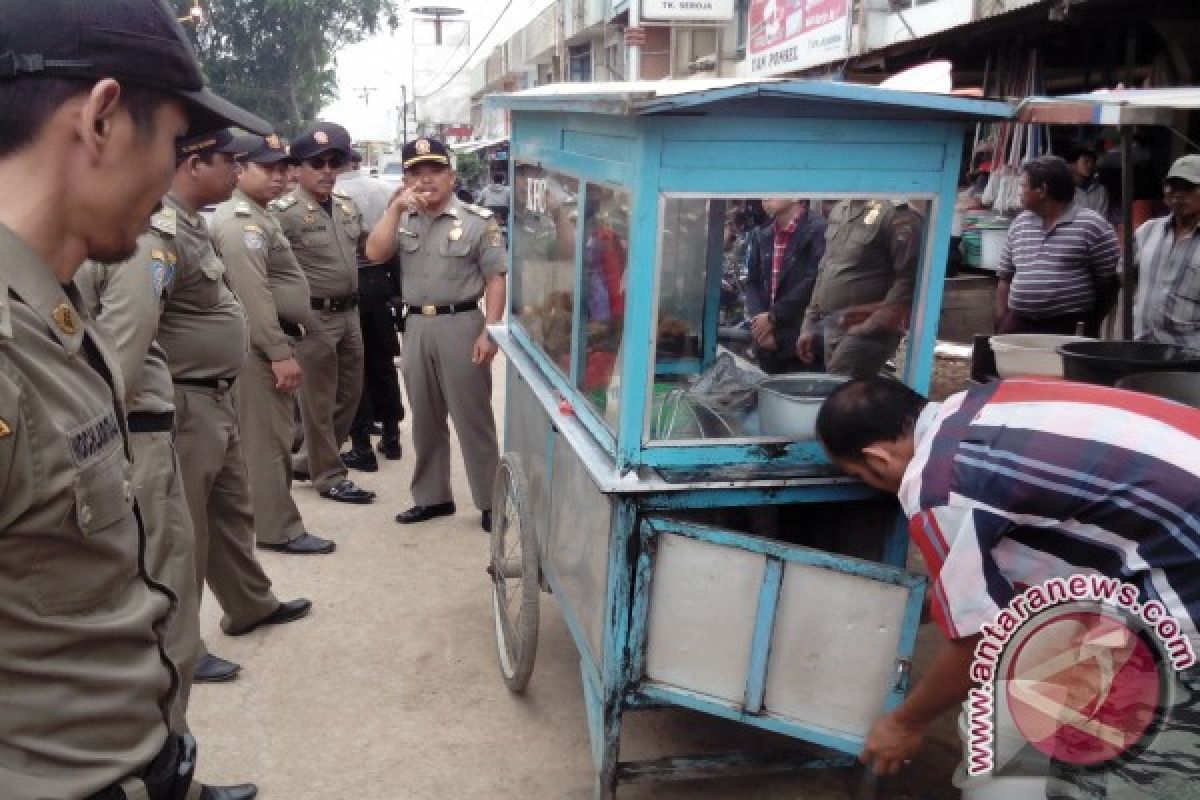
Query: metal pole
(1126,232)
(635,51)
(404,114)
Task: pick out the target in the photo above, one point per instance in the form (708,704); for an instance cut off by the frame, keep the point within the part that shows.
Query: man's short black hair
(860,413)
(26,104)
(1054,174)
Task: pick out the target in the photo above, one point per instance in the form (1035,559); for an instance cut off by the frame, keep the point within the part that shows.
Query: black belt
(215,384)
(334,303)
(437,311)
(151,421)
(293,329)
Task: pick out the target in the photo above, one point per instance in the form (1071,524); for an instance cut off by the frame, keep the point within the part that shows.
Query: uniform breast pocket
(352,228)
(316,237)
(101,520)
(410,244)
(457,257)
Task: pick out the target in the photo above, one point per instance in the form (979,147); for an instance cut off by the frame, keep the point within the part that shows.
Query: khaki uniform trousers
(214,480)
(266,421)
(859,356)
(439,378)
(170,553)
(331,355)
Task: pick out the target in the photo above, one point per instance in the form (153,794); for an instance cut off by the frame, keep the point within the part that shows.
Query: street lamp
(195,14)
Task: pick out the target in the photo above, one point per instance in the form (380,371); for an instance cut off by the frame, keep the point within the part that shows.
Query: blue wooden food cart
(699,560)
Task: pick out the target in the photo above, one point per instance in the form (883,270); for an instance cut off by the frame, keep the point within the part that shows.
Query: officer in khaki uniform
(263,272)
(864,287)
(325,230)
(203,332)
(86,685)
(125,300)
(451,255)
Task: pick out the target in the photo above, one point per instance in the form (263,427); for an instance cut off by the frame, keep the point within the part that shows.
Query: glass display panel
(542,230)
(605,260)
(765,304)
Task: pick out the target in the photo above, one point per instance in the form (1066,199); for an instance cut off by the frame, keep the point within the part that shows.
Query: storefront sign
(687,9)
(790,35)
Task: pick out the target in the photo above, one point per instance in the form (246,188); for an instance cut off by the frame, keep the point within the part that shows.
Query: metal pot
(1182,387)
(788,404)
(1106,362)
(1030,353)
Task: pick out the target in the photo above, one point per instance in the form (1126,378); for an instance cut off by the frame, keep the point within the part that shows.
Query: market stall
(702,556)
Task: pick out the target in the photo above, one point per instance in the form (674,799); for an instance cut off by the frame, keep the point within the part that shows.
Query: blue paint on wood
(760,645)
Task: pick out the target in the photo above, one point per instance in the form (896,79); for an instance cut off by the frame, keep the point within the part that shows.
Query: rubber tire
(516,640)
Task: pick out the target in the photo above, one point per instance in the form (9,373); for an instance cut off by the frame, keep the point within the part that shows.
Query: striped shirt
(1167,307)
(1017,482)
(1055,272)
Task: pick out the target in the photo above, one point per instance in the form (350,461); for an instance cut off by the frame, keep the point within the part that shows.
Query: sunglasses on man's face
(333,162)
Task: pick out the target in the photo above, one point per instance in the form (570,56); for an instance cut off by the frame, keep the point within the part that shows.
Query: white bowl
(1030,353)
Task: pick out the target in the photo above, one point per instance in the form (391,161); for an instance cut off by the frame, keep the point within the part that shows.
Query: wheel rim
(507,576)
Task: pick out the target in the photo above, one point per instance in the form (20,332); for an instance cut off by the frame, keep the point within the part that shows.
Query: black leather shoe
(390,448)
(344,491)
(285,612)
(242,791)
(362,460)
(303,545)
(300,475)
(486,521)
(214,669)
(422,513)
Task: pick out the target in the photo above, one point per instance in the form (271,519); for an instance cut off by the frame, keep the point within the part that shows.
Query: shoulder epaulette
(242,209)
(165,221)
(284,203)
(478,211)
(341,194)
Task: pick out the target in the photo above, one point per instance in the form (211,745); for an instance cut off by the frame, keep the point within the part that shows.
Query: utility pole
(365,93)
(404,111)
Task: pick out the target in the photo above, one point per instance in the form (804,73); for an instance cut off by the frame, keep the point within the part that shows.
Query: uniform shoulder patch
(242,210)
(478,211)
(284,202)
(165,221)
(341,194)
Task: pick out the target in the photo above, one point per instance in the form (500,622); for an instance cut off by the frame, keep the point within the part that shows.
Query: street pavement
(390,690)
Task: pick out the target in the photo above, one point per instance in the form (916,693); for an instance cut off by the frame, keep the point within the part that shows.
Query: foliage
(470,168)
(278,58)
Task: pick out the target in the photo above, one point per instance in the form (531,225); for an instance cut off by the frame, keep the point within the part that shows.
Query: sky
(383,65)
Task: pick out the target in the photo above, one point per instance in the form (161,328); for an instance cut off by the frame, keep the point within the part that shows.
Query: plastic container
(788,404)
(993,247)
(1105,363)
(1030,353)
(1182,387)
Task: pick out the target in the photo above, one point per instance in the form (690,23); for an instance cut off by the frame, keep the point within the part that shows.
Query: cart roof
(1112,107)
(790,98)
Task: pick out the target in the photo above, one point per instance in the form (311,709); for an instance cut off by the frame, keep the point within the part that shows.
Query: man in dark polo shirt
(1058,271)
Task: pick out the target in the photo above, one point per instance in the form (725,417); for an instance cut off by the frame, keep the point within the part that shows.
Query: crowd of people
(153,380)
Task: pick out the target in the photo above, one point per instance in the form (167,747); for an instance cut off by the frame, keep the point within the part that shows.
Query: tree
(278,58)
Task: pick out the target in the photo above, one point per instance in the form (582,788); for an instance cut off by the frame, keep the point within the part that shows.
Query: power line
(463,65)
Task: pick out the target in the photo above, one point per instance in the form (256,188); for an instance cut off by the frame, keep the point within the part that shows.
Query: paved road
(390,691)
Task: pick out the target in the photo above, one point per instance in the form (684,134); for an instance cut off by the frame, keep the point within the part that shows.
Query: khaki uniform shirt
(85,683)
(445,260)
(203,327)
(264,273)
(871,252)
(126,301)
(326,247)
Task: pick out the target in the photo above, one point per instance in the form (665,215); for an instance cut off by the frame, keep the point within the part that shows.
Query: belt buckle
(429,311)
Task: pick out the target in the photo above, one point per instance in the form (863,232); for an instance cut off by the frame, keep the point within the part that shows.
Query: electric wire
(463,65)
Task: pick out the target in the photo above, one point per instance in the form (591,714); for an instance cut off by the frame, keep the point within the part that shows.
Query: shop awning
(1111,107)
(476,145)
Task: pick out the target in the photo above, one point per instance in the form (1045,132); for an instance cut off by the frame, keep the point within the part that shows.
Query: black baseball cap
(222,141)
(263,149)
(138,42)
(425,151)
(321,138)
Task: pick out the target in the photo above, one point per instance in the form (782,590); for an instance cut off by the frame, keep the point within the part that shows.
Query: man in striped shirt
(1058,270)
(1167,254)
(1011,484)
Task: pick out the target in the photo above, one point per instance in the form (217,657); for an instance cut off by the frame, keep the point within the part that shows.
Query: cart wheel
(514,570)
